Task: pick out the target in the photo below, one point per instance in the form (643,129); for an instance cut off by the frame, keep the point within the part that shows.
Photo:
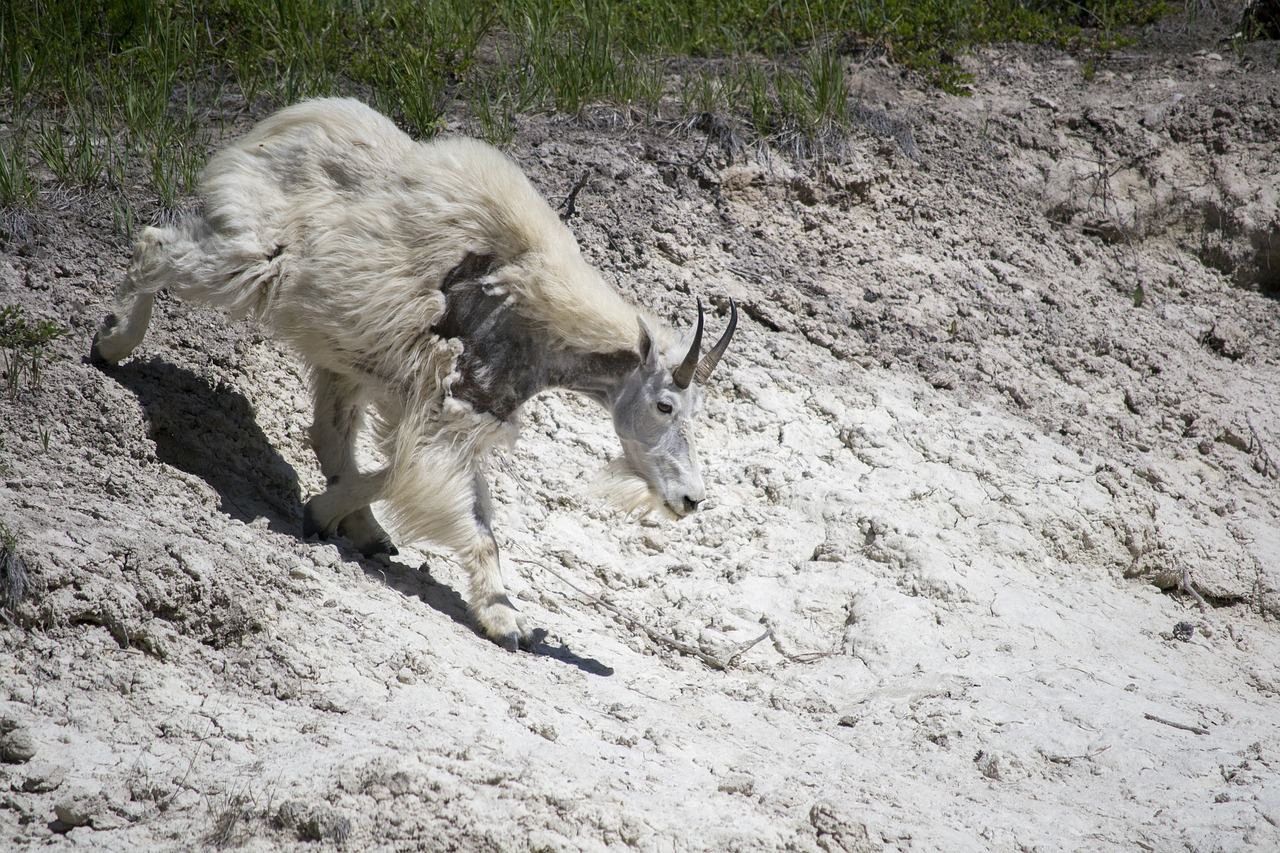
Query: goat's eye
(665,408)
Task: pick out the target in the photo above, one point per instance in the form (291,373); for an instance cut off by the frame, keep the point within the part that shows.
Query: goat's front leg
(339,415)
(435,493)
(490,604)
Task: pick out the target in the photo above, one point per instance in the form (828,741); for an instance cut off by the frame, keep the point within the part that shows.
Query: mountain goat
(433,282)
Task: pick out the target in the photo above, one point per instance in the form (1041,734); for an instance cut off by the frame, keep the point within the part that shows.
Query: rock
(80,808)
(837,833)
(313,822)
(17,747)
(13,579)
(738,783)
(1227,339)
(43,777)
(990,764)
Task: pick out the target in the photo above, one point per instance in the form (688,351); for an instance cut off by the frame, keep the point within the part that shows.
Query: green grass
(127,97)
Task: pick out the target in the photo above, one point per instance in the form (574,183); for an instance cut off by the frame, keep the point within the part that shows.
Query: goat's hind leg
(123,329)
(339,415)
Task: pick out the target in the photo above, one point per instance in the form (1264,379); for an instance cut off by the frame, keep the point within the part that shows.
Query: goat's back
(347,227)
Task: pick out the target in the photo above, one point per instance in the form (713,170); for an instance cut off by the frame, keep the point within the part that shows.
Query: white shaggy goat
(433,282)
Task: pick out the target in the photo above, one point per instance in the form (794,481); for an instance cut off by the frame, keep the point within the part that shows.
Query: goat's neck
(598,375)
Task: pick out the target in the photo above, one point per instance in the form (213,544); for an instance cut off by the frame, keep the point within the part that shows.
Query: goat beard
(628,491)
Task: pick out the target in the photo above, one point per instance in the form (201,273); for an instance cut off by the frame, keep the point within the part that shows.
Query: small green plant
(25,349)
(496,117)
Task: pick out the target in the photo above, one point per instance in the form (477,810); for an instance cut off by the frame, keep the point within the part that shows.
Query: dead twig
(1067,759)
(1184,726)
(748,646)
(721,664)
(800,657)
(1184,583)
(1259,448)
(570,202)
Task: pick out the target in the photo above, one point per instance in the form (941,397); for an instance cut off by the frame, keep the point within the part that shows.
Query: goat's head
(653,414)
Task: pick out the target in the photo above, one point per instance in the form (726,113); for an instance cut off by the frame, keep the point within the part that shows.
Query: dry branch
(1184,726)
(1184,583)
(1259,448)
(653,633)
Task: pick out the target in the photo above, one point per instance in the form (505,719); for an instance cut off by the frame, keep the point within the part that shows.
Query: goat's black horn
(709,363)
(684,374)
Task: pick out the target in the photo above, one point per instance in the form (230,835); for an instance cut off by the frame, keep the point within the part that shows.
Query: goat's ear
(648,344)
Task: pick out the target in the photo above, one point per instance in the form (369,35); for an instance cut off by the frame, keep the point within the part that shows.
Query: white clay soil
(992,475)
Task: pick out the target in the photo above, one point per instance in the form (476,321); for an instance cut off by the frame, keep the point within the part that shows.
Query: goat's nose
(691,505)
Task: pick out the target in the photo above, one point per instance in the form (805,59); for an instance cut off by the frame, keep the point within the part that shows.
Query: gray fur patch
(504,359)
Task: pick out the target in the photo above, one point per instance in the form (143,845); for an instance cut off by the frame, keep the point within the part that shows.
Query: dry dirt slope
(954,467)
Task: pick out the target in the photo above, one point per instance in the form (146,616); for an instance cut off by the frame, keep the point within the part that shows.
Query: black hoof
(379,546)
(95,352)
(310,525)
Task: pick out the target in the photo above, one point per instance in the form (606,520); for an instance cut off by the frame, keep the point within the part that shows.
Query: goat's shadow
(418,583)
(211,432)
